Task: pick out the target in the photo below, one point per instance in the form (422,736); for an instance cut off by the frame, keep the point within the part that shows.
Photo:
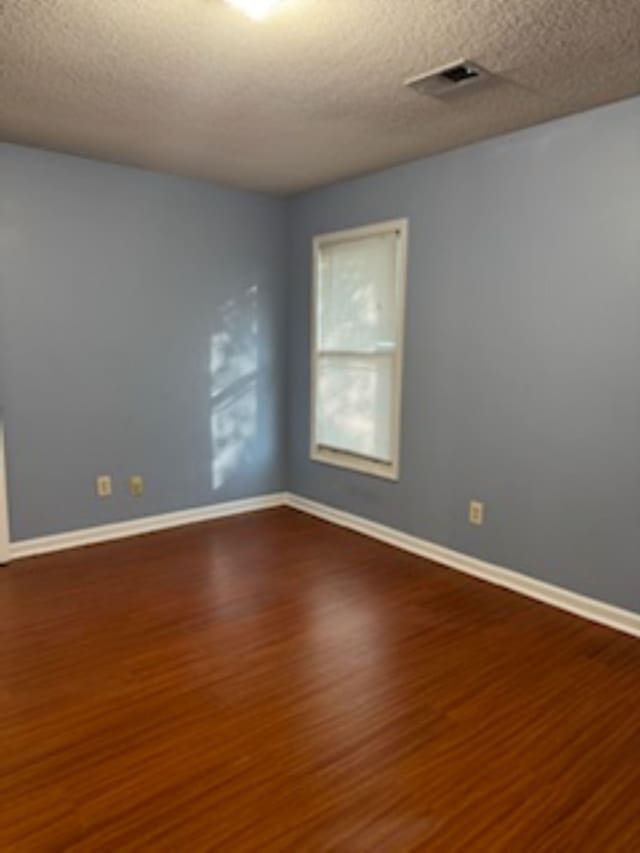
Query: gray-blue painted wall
(522,351)
(143,321)
(118,289)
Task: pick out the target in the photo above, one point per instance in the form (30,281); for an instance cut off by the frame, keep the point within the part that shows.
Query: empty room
(320,425)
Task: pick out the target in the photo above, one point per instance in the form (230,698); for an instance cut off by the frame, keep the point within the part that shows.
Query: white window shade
(357,347)
(356,294)
(354,398)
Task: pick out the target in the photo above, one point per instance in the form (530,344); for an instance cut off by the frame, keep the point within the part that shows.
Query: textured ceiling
(312,94)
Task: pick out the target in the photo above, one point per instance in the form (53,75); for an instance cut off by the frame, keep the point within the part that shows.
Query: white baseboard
(137,526)
(580,605)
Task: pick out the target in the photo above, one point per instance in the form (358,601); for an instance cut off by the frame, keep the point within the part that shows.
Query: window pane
(357,294)
(354,404)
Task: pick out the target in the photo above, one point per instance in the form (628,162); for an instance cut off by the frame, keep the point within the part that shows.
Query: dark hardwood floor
(271,682)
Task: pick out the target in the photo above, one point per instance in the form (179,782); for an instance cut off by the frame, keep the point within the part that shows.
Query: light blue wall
(522,359)
(143,321)
(116,287)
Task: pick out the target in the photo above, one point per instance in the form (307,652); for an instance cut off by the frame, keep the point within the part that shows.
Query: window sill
(386,471)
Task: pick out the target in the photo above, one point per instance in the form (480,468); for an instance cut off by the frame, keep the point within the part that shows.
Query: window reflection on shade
(354,399)
(357,299)
(356,327)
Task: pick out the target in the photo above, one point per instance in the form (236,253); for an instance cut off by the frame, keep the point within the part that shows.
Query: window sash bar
(358,353)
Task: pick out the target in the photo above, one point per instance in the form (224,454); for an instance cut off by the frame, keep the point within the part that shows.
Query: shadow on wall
(234,388)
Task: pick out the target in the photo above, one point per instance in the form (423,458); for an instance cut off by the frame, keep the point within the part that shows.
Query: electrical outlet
(476,512)
(103,485)
(136,485)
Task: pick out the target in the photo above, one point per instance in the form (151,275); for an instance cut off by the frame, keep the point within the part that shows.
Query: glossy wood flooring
(271,682)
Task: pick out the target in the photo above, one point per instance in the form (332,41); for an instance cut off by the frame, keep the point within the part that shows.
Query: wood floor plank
(273,682)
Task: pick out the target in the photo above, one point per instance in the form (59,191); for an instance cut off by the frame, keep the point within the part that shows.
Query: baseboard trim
(580,605)
(135,527)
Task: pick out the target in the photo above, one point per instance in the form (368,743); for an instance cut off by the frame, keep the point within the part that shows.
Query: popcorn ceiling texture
(310,95)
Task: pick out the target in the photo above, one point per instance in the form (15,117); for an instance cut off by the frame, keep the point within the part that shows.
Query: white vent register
(447,79)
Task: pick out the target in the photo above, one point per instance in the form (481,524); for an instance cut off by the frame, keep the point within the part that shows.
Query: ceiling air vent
(449,78)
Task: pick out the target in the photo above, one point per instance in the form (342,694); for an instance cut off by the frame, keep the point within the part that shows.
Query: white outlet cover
(476,512)
(103,485)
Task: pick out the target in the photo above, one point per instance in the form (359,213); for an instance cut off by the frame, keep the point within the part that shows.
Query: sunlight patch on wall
(234,387)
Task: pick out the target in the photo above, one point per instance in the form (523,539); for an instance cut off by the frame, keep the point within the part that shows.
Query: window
(356,359)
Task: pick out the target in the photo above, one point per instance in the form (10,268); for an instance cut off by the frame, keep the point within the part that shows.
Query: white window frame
(4,502)
(341,458)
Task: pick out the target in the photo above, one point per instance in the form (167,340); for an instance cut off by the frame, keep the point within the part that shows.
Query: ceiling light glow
(256,9)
